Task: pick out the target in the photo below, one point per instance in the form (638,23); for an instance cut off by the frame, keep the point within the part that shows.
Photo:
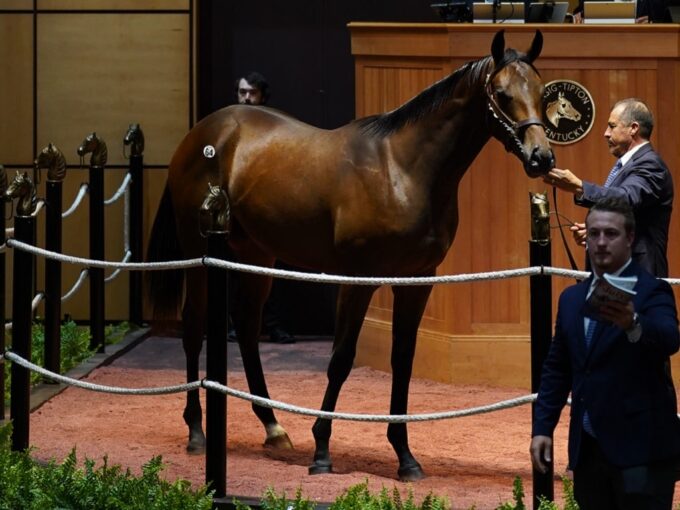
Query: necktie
(613,173)
(587,426)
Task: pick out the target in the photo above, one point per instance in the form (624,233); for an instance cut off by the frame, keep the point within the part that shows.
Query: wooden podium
(478,332)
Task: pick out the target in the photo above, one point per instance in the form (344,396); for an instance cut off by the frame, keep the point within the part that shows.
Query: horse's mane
(433,97)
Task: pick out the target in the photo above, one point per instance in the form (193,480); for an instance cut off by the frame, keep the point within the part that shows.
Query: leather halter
(510,129)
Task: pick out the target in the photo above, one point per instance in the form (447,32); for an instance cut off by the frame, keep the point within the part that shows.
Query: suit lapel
(626,169)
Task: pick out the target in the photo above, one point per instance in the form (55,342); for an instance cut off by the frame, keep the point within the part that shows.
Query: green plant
(75,346)
(27,485)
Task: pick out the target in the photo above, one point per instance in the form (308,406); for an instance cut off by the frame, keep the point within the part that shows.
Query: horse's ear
(536,47)
(498,46)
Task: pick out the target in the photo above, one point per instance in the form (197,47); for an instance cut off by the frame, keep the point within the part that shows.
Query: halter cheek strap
(503,117)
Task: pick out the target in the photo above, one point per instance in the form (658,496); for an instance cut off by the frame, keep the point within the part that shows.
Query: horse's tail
(165,287)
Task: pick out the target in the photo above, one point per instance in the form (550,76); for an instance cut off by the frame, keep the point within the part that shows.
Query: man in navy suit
(624,432)
(642,179)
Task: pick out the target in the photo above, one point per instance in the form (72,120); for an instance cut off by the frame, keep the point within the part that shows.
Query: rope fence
(292,275)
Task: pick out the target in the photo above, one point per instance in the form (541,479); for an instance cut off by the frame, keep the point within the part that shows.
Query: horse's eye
(503,97)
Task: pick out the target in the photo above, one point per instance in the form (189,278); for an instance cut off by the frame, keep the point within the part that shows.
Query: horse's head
(135,139)
(515,97)
(22,188)
(95,145)
(52,159)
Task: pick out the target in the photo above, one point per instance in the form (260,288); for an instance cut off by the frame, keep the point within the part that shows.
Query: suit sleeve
(659,321)
(555,382)
(643,185)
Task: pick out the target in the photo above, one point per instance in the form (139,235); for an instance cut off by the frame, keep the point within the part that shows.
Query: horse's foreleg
(351,309)
(251,293)
(409,305)
(193,328)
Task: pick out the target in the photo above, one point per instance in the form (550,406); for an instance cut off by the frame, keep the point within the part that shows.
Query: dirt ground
(471,461)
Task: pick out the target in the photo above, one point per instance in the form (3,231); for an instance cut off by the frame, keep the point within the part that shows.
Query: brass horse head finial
(97,147)
(135,139)
(52,159)
(215,213)
(540,217)
(22,188)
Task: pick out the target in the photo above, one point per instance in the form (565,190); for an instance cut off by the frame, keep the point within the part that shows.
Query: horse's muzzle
(540,162)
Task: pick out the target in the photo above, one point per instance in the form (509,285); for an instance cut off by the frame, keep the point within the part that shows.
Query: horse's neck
(443,144)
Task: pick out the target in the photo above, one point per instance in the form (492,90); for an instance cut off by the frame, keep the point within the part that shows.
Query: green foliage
(517,495)
(75,346)
(358,496)
(27,485)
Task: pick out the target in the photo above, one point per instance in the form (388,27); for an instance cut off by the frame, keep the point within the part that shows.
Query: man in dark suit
(642,179)
(624,432)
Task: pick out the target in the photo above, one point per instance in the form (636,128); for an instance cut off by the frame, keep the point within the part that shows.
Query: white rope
(79,198)
(126,221)
(265,402)
(164,390)
(120,191)
(36,300)
(9,231)
(131,266)
(38,207)
(34,305)
(113,275)
(79,282)
(383,418)
(303,276)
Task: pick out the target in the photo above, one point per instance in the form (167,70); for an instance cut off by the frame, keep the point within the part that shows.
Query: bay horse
(376,197)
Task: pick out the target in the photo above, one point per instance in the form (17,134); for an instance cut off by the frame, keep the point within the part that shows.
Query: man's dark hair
(258,81)
(616,205)
(636,110)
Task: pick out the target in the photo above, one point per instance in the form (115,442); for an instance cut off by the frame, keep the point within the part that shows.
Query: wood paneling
(117,63)
(479,332)
(113,5)
(128,73)
(16,98)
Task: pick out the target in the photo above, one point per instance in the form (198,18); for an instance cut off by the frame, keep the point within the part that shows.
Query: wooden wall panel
(16,99)
(128,73)
(120,61)
(114,5)
(479,332)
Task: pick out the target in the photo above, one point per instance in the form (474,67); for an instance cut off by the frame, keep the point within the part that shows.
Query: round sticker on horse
(569,111)
(376,197)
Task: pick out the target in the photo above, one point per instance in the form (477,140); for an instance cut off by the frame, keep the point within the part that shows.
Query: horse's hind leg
(351,309)
(193,327)
(251,293)
(409,305)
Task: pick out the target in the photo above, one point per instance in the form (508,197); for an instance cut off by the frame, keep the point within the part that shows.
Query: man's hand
(578,230)
(541,453)
(564,180)
(619,314)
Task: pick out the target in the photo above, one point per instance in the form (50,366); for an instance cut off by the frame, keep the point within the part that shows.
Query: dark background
(302,47)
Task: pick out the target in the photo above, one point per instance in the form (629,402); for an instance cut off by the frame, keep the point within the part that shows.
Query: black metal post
(541,335)
(136,235)
(216,368)
(22,295)
(53,199)
(96,187)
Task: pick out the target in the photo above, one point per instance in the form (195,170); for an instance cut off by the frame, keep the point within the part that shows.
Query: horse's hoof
(320,468)
(196,448)
(411,473)
(277,437)
(279,442)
